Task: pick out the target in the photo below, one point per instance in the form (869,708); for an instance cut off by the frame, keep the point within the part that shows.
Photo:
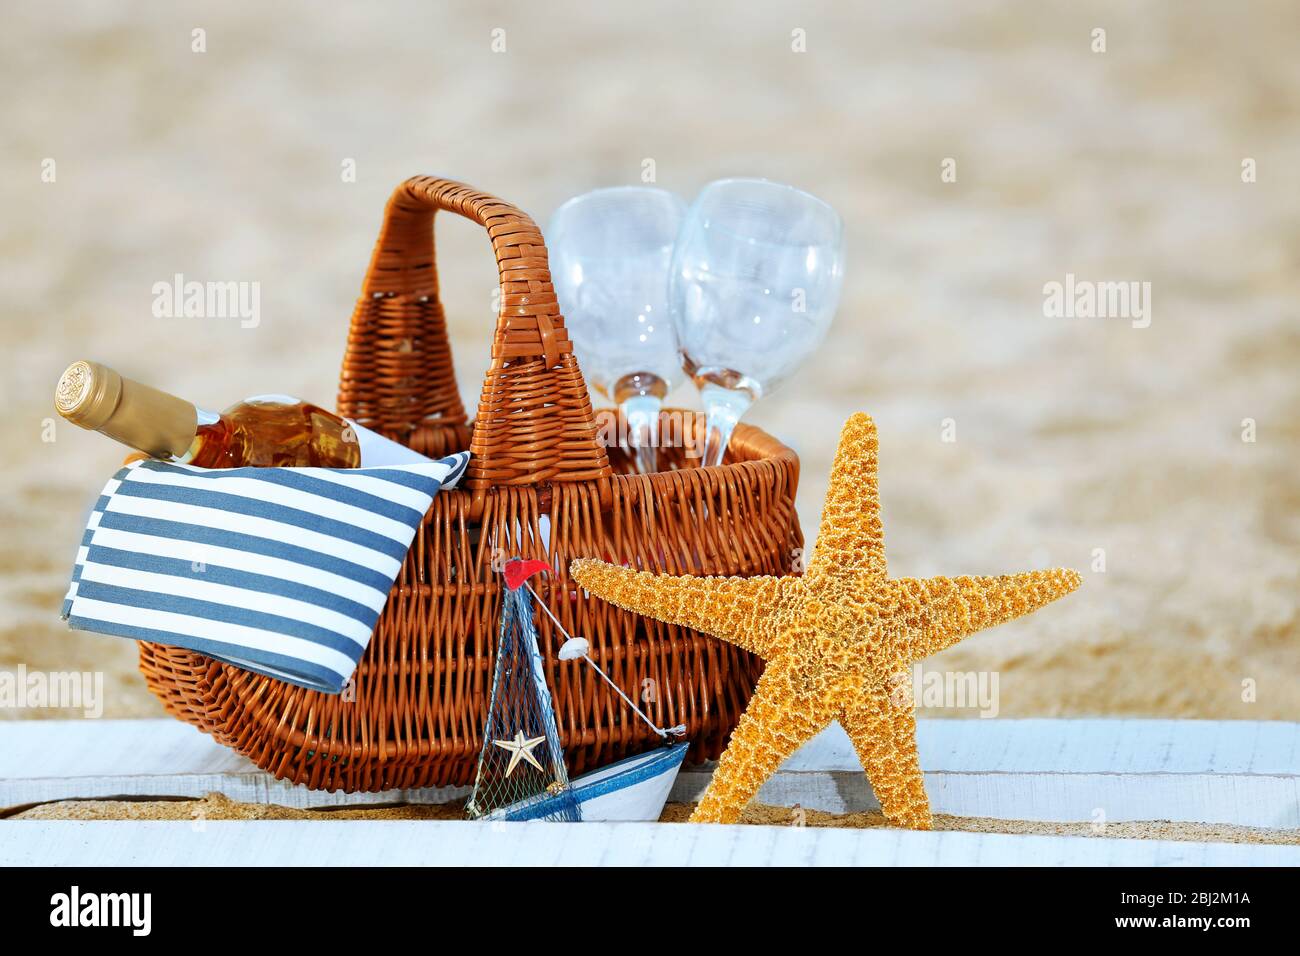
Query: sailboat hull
(635,788)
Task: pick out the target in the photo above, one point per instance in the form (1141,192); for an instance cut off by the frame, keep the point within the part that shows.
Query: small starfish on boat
(520,749)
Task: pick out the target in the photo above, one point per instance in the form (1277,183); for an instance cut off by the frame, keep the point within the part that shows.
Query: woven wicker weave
(415,717)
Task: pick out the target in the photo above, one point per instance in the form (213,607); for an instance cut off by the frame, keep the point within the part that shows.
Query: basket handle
(535,423)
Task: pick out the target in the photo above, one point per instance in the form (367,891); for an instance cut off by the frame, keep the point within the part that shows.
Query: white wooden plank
(1098,745)
(404,843)
(1237,772)
(46,760)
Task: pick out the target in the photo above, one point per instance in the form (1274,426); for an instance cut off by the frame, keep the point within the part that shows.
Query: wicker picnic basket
(415,714)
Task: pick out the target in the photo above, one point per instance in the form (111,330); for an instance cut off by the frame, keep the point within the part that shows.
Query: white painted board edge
(1236,772)
(437,843)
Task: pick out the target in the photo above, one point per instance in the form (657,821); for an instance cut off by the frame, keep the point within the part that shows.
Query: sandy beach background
(1078,441)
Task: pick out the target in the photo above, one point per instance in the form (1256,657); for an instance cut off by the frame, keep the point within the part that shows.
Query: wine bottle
(266,430)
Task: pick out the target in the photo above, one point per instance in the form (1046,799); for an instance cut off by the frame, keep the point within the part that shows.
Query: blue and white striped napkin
(281,571)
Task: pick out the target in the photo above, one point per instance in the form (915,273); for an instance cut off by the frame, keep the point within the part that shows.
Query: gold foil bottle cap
(88,393)
(94,396)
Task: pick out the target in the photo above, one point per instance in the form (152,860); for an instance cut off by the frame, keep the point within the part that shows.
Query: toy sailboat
(521,773)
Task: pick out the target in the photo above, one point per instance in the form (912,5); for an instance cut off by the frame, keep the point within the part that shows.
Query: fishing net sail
(521,771)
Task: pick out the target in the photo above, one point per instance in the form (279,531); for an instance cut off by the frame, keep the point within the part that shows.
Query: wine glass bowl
(754,283)
(610,251)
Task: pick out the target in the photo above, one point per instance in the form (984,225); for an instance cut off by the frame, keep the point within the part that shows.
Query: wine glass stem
(641,413)
(723,408)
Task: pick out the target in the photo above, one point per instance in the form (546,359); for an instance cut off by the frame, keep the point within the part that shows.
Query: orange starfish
(836,640)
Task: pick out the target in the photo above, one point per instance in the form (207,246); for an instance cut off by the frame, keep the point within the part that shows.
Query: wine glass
(755,280)
(610,250)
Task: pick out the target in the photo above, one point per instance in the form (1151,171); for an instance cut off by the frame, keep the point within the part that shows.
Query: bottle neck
(98,398)
(153,421)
